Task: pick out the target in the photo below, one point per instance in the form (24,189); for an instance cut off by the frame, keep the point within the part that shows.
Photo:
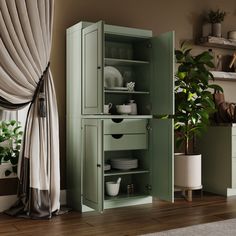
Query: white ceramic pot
(123,109)
(187,170)
(112,188)
(216,29)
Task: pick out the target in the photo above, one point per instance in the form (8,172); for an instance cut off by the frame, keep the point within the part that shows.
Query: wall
(183,16)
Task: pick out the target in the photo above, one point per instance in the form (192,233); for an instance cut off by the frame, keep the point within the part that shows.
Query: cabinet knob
(99,67)
(98,165)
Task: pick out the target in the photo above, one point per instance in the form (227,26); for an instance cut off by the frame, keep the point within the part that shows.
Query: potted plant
(10,144)
(193,106)
(215,18)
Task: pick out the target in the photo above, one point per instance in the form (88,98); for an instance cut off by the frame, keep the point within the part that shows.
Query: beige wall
(183,16)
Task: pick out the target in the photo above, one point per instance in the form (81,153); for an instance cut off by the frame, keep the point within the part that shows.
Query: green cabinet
(217,147)
(95,138)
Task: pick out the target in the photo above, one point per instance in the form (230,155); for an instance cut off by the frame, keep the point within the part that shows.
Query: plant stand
(189,190)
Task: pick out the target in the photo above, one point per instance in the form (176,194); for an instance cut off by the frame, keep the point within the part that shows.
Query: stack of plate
(124,163)
(107,166)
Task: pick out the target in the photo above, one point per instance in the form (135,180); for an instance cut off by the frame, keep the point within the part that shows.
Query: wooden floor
(133,220)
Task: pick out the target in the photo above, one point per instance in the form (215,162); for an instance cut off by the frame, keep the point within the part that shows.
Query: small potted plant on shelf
(193,106)
(10,144)
(215,18)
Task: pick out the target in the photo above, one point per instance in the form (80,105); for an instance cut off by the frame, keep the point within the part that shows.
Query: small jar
(133,107)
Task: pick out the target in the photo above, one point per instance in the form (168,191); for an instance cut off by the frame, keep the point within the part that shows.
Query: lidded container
(133,107)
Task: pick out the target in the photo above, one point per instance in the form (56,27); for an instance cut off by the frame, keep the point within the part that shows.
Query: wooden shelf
(124,62)
(126,92)
(125,172)
(224,76)
(217,43)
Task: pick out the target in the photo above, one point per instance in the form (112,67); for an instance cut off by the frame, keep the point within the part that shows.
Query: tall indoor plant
(193,106)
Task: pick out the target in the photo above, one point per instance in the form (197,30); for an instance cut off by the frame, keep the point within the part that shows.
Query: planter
(187,171)
(206,30)
(216,30)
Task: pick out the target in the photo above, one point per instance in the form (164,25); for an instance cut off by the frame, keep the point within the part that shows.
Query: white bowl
(112,188)
(124,109)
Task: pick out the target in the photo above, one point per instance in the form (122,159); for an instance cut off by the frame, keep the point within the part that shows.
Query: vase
(216,29)
(206,30)
(187,171)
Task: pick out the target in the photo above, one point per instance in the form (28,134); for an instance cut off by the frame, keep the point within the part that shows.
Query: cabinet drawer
(125,126)
(125,142)
(233,173)
(234,146)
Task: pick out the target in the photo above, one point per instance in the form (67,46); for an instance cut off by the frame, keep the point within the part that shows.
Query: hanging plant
(10,143)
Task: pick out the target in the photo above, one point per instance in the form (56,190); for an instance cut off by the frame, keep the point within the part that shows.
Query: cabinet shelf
(224,76)
(217,43)
(125,172)
(125,196)
(124,62)
(126,92)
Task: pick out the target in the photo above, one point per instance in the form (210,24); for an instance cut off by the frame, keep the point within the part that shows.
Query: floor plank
(126,221)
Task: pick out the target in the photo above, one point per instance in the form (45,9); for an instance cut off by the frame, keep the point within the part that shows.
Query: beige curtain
(25,77)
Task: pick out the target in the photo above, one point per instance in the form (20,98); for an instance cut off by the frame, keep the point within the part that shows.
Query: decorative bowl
(124,109)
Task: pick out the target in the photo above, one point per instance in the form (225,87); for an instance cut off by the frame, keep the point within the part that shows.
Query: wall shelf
(217,43)
(224,76)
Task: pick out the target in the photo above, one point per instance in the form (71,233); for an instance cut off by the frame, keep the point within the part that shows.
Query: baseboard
(63,200)
(9,200)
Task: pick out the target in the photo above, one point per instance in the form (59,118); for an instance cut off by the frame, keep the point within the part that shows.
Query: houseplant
(10,143)
(193,106)
(215,18)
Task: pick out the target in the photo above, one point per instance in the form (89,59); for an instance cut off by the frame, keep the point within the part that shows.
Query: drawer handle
(117,120)
(117,136)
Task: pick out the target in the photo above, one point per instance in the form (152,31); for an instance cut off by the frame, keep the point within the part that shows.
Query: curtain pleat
(25,46)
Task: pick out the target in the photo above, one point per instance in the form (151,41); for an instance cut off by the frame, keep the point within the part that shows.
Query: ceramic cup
(107,108)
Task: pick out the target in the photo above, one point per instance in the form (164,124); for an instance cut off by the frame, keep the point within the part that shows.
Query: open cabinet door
(162,97)
(92,153)
(92,68)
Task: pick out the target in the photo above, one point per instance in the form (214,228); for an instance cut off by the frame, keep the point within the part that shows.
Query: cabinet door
(162,147)
(162,97)
(92,69)
(92,163)
(162,83)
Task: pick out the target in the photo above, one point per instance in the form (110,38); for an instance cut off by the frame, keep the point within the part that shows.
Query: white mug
(107,108)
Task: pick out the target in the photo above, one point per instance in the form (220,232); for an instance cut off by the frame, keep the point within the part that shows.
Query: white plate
(107,167)
(112,77)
